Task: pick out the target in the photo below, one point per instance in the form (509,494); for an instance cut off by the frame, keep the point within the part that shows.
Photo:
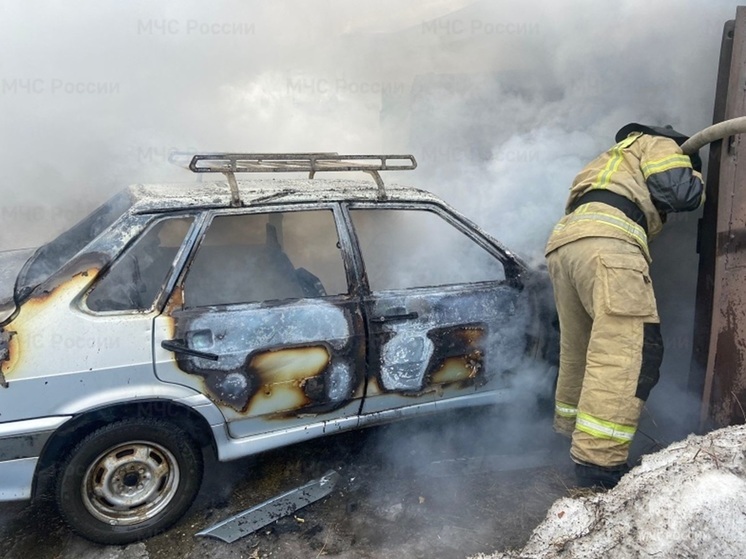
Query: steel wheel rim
(130,483)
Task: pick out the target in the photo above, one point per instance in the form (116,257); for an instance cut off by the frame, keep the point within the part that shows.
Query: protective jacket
(651,172)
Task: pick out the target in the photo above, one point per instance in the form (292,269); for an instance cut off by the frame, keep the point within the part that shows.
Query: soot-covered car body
(242,317)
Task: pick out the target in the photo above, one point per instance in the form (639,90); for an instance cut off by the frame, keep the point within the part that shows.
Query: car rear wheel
(129,480)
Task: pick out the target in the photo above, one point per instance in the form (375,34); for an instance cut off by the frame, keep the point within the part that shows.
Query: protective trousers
(610,345)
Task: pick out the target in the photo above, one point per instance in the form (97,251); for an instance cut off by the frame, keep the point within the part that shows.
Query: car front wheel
(129,480)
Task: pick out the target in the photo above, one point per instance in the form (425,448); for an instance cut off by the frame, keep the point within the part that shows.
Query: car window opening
(405,249)
(137,276)
(264,257)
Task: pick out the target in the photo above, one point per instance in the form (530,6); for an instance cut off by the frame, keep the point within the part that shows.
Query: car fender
(144,393)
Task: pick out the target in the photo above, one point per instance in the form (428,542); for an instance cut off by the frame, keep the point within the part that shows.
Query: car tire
(129,480)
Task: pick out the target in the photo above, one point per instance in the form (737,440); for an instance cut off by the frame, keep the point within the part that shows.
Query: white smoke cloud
(501,101)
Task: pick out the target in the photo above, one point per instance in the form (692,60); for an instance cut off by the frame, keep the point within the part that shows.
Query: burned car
(242,316)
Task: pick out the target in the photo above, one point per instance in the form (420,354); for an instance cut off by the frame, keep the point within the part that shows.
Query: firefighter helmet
(666,131)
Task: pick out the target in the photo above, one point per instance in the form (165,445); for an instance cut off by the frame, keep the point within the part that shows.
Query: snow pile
(688,500)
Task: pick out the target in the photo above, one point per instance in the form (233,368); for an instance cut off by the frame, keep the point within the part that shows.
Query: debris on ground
(687,500)
(259,516)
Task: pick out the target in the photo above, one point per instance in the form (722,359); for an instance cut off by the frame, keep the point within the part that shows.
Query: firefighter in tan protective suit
(611,347)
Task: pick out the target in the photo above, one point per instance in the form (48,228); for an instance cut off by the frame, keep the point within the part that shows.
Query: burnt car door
(264,322)
(445,320)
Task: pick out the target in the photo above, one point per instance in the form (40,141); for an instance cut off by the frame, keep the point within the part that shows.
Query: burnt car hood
(11,262)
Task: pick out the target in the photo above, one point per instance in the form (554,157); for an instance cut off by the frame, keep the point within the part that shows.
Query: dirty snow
(686,501)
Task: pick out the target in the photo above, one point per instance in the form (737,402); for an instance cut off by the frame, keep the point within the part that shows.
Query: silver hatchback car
(235,317)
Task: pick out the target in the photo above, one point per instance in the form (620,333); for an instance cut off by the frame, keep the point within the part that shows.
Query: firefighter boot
(591,475)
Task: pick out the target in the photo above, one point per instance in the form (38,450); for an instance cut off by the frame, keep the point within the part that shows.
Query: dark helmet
(666,131)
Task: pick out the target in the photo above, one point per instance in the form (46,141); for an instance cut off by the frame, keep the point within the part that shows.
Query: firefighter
(610,342)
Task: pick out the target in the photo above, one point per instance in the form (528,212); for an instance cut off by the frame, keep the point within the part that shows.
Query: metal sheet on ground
(244,523)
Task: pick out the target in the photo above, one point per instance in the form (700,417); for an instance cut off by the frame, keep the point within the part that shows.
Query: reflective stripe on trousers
(604,429)
(594,426)
(565,410)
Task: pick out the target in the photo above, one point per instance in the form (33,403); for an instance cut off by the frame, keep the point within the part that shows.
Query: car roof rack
(231,163)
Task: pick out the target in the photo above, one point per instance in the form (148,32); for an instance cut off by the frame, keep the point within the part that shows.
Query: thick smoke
(501,101)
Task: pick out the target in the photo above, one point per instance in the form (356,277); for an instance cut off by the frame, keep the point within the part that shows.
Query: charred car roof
(148,198)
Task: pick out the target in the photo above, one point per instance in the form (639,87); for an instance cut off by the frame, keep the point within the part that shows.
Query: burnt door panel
(275,361)
(443,321)
(463,341)
(262,323)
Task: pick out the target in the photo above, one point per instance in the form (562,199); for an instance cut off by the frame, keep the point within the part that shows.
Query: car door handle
(178,346)
(394,317)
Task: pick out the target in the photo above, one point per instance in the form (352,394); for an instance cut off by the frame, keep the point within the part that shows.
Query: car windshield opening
(52,256)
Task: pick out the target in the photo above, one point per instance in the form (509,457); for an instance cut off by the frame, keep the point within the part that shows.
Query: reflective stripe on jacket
(649,170)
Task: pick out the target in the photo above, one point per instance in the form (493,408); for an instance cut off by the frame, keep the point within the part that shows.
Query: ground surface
(435,488)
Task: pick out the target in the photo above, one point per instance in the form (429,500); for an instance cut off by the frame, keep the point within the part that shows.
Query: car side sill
(231,449)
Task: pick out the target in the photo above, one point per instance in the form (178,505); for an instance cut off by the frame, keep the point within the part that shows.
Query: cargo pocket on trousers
(652,357)
(628,290)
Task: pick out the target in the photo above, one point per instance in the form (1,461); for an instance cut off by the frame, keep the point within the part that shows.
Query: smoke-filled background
(502,102)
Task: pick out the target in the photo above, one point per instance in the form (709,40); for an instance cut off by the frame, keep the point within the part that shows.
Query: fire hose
(715,132)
